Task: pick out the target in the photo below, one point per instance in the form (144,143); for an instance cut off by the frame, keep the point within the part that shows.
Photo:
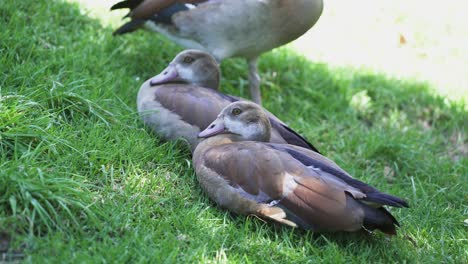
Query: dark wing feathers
(373,218)
(142,10)
(291,136)
(148,9)
(165,15)
(386,199)
(131,4)
(315,160)
(130,26)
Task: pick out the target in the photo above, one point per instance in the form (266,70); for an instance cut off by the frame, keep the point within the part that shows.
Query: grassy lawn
(82,180)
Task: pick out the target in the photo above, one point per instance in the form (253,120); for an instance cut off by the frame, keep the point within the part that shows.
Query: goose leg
(254,80)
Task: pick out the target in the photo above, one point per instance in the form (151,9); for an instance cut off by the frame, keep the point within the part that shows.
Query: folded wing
(305,196)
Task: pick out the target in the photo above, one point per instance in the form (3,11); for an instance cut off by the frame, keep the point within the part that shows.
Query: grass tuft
(40,200)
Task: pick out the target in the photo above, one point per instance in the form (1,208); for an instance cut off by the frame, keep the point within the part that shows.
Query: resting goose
(183,100)
(225,28)
(285,183)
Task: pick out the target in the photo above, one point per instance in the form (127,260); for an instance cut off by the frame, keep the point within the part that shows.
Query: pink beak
(215,128)
(167,75)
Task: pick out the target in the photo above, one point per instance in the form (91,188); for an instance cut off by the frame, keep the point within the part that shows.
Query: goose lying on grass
(225,28)
(183,100)
(285,183)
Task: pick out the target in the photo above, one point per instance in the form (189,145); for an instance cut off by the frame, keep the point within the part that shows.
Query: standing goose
(183,100)
(281,182)
(225,28)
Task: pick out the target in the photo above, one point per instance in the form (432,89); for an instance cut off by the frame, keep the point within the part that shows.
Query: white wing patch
(274,202)
(289,184)
(318,170)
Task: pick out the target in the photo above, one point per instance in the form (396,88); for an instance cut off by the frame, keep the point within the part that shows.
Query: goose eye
(236,111)
(188,59)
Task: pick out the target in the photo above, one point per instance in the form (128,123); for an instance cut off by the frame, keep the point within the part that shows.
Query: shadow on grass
(76,76)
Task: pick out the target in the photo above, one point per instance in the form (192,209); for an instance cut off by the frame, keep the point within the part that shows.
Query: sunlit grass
(82,180)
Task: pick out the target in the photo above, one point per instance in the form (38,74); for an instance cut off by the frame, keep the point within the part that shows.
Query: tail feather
(386,199)
(379,218)
(126,4)
(129,27)
(292,137)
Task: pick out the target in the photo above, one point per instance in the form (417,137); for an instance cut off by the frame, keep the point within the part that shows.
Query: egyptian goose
(183,100)
(281,182)
(225,28)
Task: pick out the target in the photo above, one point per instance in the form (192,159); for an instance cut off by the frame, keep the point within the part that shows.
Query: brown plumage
(225,28)
(145,9)
(281,182)
(183,100)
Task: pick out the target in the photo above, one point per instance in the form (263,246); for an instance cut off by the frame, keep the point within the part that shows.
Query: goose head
(243,120)
(190,67)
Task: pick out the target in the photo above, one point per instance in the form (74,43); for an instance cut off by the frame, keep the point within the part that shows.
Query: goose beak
(167,75)
(215,128)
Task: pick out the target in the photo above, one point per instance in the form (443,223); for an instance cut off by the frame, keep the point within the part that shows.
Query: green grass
(82,180)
